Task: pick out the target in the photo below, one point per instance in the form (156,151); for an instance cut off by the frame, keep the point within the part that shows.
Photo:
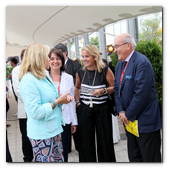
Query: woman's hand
(78,104)
(64,99)
(73,129)
(70,98)
(98,92)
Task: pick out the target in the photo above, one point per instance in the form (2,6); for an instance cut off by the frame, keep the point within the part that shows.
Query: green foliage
(150,28)
(94,41)
(82,63)
(114,58)
(8,71)
(153,51)
(71,44)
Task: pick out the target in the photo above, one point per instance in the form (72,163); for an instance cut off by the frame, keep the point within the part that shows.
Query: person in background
(77,59)
(93,113)
(7,107)
(26,145)
(105,61)
(42,105)
(13,64)
(136,99)
(71,68)
(8,154)
(100,54)
(64,83)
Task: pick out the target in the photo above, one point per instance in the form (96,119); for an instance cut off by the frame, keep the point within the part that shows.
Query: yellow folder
(132,127)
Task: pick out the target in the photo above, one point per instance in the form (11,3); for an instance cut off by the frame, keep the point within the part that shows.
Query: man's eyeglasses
(111,48)
(116,46)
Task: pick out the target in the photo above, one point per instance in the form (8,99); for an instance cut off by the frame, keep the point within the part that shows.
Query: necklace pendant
(91,104)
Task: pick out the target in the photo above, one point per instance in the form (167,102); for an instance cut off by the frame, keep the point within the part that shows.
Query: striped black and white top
(87,88)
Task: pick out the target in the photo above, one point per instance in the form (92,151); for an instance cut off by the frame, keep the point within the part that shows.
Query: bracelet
(54,103)
(59,105)
(77,102)
(105,91)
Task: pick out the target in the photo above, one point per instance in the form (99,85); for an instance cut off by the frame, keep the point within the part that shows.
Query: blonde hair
(93,50)
(34,61)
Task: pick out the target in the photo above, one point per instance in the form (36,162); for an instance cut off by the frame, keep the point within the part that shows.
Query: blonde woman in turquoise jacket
(42,105)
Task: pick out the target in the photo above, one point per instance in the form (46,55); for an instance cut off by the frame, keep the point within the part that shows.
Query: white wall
(14,51)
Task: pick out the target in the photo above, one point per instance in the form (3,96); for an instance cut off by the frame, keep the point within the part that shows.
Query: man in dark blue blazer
(136,99)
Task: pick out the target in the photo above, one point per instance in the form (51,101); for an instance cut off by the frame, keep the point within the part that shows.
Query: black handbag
(110,100)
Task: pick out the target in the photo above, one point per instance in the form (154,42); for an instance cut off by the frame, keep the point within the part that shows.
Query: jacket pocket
(51,125)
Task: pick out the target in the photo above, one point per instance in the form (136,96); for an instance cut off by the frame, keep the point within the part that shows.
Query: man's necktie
(124,64)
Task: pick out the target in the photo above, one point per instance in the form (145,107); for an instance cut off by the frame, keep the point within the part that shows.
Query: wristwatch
(77,102)
(105,91)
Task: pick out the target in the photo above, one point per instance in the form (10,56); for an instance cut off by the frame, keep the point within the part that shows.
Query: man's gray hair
(131,40)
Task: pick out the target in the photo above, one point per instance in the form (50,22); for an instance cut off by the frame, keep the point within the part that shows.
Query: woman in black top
(91,93)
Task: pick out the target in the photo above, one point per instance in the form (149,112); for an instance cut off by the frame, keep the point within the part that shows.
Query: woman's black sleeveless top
(87,88)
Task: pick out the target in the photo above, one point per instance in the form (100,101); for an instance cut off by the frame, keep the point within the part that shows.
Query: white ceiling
(53,24)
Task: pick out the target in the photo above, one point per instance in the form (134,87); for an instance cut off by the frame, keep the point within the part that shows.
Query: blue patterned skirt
(48,150)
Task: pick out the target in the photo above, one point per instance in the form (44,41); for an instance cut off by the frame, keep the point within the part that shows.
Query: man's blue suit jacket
(137,95)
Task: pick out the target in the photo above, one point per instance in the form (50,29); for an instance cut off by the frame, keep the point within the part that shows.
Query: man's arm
(144,81)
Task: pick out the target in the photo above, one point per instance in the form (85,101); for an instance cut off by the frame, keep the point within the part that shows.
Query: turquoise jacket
(42,121)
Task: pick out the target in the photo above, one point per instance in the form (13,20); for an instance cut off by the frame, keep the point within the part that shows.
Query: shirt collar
(66,61)
(130,55)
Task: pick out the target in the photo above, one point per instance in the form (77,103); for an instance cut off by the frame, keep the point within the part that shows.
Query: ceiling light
(81,31)
(146,10)
(156,8)
(73,33)
(108,20)
(91,29)
(97,24)
(125,15)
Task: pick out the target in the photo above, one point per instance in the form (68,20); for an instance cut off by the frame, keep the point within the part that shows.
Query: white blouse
(68,110)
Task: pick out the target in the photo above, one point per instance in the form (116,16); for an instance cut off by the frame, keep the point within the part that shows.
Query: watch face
(105,91)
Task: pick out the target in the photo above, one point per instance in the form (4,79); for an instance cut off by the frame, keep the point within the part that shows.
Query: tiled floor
(15,145)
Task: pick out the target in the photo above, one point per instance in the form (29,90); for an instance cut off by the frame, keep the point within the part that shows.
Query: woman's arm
(32,101)
(63,99)
(77,89)
(110,79)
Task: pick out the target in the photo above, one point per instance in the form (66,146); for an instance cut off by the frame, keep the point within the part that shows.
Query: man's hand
(123,118)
